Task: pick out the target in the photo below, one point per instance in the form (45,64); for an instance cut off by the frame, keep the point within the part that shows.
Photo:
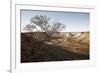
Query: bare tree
(29,27)
(49,29)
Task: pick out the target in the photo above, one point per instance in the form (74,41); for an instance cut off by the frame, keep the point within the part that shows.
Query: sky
(74,21)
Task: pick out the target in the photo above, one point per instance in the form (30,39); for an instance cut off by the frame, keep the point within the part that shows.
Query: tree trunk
(39,49)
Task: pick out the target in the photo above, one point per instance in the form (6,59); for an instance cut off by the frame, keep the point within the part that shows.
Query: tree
(49,29)
(29,27)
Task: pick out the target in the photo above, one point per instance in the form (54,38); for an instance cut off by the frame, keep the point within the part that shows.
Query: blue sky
(74,21)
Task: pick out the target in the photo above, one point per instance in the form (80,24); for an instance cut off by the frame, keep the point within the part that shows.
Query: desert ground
(71,46)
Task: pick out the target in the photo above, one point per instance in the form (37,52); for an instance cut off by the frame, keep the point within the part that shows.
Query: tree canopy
(43,22)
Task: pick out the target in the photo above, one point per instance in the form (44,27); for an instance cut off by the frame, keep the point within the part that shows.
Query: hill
(74,46)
